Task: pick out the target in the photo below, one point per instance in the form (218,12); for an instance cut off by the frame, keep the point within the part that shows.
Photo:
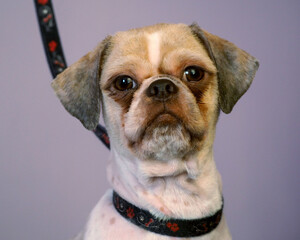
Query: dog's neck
(189,188)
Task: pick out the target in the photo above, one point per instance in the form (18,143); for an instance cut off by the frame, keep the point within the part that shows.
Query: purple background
(52,171)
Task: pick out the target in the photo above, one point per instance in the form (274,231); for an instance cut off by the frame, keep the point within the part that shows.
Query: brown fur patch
(162,209)
(145,192)
(112,221)
(123,98)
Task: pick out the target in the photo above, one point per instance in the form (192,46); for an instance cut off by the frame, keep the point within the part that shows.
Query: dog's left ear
(236,68)
(78,87)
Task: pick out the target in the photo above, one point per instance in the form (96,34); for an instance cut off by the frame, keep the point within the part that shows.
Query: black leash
(54,52)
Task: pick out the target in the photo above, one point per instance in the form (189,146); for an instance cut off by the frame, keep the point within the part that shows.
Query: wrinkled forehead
(157,49)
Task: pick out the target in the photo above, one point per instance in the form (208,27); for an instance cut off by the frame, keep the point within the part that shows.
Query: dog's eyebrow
(186,57)
(194,59)
(128,65)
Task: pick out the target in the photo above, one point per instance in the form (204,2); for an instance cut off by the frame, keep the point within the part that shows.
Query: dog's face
(159,85)
(161,88)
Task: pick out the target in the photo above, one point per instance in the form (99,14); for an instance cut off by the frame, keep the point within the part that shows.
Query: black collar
(170,227)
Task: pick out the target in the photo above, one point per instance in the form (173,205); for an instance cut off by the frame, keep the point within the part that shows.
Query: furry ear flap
(236,68)
(78,87)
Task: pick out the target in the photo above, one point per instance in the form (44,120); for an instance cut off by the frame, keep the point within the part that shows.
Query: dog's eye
(193,73)
(123,83)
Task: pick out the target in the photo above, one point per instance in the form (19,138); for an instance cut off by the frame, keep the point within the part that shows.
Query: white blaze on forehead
(154,48)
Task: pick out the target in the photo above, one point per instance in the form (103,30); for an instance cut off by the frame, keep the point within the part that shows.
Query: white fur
(130,178)
(167,143)
(154,48)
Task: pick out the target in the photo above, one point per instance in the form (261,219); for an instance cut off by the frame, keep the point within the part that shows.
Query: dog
(161,89)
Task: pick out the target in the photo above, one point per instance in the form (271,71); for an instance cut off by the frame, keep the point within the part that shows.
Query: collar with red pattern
(170,227)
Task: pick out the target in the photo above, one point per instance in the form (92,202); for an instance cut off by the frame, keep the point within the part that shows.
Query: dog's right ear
(236,68)
(78,87)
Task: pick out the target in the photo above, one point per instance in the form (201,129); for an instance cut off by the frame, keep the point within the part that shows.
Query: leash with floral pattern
(54,52)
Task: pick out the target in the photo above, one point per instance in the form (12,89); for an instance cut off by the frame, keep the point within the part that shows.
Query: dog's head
(161,88)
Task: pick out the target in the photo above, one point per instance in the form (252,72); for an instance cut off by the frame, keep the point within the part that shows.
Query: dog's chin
(165,138)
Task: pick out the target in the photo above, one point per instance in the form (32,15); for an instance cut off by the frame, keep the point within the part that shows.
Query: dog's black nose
(162,89)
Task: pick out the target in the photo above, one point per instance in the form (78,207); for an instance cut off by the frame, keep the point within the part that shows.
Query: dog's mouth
(166,136)
(159,122)
(166,124)
(165,119)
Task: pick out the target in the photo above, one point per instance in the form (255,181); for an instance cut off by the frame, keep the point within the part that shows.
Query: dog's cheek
(206,95)
(124,99)
(117,105)
(186,108)
(111,114)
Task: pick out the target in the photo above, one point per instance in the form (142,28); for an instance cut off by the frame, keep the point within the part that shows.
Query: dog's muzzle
(162,90)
